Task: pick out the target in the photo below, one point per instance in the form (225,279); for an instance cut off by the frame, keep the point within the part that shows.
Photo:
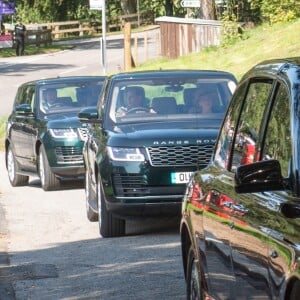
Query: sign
(190,3)
(6,41)
(7,8)
(96,4)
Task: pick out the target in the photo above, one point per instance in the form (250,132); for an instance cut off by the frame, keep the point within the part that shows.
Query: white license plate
(180,177)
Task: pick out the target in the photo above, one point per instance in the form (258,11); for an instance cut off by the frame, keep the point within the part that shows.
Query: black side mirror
(259,177)
(89,115)
(24,109)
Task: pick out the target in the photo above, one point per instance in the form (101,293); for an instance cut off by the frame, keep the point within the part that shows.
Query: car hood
(164,133)
(63,120)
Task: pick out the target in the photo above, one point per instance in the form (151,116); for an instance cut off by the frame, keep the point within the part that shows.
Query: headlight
(67,133)
(125,154)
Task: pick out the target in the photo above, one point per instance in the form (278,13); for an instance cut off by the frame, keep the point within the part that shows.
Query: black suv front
(138,160)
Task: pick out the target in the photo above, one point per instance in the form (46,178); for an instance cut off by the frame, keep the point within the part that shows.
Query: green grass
(32,50)
(2,132)
(263,42)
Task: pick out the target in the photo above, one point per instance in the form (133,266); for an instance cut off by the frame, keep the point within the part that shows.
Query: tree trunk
(128,6)
(208,10)
(169,8)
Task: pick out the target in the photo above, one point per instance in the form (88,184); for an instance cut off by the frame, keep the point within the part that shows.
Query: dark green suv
(43,136)
(150,132)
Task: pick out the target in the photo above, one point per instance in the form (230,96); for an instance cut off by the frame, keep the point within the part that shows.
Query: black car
(43,136)
(240,226)
(146,138)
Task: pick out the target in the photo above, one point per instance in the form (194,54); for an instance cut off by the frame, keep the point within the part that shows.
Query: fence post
(127,46)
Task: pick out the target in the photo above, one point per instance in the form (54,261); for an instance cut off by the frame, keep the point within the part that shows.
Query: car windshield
(142,100)
(70,96)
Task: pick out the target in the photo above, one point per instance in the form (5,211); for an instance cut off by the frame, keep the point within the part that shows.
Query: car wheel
(11,165)
(109,226)
(193,281)
(92,215)
(48,180)
(295,291)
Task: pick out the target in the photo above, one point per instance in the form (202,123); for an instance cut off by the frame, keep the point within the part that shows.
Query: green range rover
(43,135)
(146,138)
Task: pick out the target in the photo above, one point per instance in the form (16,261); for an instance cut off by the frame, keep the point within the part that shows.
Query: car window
(26,96)
(71,96)
(147,99)
(278,144)
(224,143)
(250,122)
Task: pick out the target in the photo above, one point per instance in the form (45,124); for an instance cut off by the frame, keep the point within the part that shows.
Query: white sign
(190,3)
(96,4)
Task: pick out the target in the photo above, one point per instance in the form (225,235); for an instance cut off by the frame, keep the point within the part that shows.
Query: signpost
(190,3)
(100,5)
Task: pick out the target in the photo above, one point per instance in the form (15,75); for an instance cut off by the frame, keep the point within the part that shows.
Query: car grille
(179,156)
(83,132)
(130,185)
(69,155)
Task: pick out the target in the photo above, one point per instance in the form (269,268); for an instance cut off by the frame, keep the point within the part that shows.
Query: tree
(208,10)
(128,6)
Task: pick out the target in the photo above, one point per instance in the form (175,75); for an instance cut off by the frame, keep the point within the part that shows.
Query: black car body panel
(142,160)
(58,131)
(240,215)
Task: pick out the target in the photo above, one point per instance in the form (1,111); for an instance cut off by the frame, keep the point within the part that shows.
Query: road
(83,59)
(48,248)
(56,253)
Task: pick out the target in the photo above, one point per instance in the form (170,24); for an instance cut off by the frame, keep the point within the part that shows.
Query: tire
(109,226)
(15,179)
(91,214)
(48,179)
(295,291)
(193,280)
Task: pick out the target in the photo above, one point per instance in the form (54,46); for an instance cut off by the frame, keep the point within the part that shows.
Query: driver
(49,98)
(134,100)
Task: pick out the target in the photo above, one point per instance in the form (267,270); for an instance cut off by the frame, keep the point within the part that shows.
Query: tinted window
(145,100)
(225,139)
(278,143)
(250,122)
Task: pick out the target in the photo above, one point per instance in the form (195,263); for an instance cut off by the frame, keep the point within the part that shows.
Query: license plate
(180,177)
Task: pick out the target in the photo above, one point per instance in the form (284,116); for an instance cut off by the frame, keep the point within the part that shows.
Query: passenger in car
(203,102)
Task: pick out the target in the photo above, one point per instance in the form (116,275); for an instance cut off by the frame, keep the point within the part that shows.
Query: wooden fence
(64,29)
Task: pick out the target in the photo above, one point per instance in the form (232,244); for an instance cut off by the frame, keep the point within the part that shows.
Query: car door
(23,128)
(277,142)
(213,231)
(249,236)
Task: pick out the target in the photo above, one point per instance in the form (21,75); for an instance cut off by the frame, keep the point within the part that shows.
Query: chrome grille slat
(179,156)
(83,132)
(68,154)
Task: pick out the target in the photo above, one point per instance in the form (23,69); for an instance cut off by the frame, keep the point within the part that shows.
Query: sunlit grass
(261,43)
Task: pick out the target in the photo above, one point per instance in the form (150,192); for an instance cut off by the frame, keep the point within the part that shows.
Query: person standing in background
(20,32)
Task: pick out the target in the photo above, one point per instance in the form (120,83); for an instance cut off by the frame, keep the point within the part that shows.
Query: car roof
(274,66)
(167,73)
(55,80)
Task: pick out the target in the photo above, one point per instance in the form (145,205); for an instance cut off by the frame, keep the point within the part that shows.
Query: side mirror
(24,109)
(259,177)
(89,115)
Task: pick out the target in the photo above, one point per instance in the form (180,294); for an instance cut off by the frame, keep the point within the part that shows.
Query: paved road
(83,59)
(54,252)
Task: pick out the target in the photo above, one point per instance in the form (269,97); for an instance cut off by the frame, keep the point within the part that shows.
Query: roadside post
(100,5)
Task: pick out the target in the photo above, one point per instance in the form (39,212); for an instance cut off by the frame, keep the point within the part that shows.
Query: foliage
(231,30)
(275,11)
(256,11)
(2,132)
